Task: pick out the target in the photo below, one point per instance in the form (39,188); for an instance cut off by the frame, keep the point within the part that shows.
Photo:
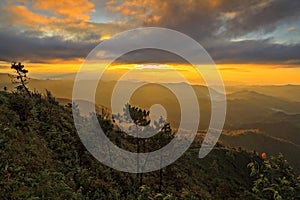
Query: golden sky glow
(105,37)
(232,74)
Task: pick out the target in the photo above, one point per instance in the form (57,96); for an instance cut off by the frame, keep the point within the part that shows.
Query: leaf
(6,167)
(158,195)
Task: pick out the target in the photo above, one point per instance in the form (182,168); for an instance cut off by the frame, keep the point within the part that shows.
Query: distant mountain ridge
(243,106)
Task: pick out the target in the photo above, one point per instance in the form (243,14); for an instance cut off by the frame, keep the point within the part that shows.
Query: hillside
(246,104)
(250,106)
(59,88)
(275,133)
(43,158)
(262,142)
(286,92)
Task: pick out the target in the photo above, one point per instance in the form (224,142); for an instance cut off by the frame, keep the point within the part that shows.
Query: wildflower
(8,176)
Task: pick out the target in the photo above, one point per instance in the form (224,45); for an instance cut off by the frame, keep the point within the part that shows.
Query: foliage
(21,77)
(42,157)
(274,178)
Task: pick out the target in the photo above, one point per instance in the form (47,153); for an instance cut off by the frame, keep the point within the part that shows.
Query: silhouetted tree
(140,118)
(164,136)
(21,77)
(105,120)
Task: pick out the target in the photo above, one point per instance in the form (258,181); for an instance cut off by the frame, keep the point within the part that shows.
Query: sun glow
(105,37)
(232,74)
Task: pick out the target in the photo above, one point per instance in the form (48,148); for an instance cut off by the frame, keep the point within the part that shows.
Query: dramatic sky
(252,41)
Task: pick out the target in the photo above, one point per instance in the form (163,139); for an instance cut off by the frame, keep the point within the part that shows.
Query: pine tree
(21,77)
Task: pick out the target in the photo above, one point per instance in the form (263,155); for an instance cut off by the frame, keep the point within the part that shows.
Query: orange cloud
(67,19)
(152,11)
(291,28)
(70,9)
(230,15)
(214,3)
(22,16)
(140,10)
(112,2)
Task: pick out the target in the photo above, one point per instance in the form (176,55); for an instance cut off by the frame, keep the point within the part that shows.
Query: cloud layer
(235,31)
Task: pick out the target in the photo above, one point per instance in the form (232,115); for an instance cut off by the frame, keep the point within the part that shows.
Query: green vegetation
(41,157)
(21,75)
(274,179)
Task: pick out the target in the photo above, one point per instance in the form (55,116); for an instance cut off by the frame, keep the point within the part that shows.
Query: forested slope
(41,157)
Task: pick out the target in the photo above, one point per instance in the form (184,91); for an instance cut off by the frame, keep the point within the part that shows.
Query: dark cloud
(215,25)
(256,51)
(203,19)
(212,23)
(150,56)
(264,17)
(196,19)
(251,51)
(20,47)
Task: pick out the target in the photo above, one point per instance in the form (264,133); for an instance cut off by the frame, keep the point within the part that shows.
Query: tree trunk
(138,151)
(23,83)
(160,179)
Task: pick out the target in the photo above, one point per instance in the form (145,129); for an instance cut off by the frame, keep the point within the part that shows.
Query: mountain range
(272,111)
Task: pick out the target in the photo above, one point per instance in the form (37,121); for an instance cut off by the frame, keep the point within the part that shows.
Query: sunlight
(105,37)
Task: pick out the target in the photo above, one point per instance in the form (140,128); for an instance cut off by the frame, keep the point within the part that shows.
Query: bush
(274,178)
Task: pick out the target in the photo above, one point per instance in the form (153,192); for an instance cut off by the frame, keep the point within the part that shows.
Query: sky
(251,41)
